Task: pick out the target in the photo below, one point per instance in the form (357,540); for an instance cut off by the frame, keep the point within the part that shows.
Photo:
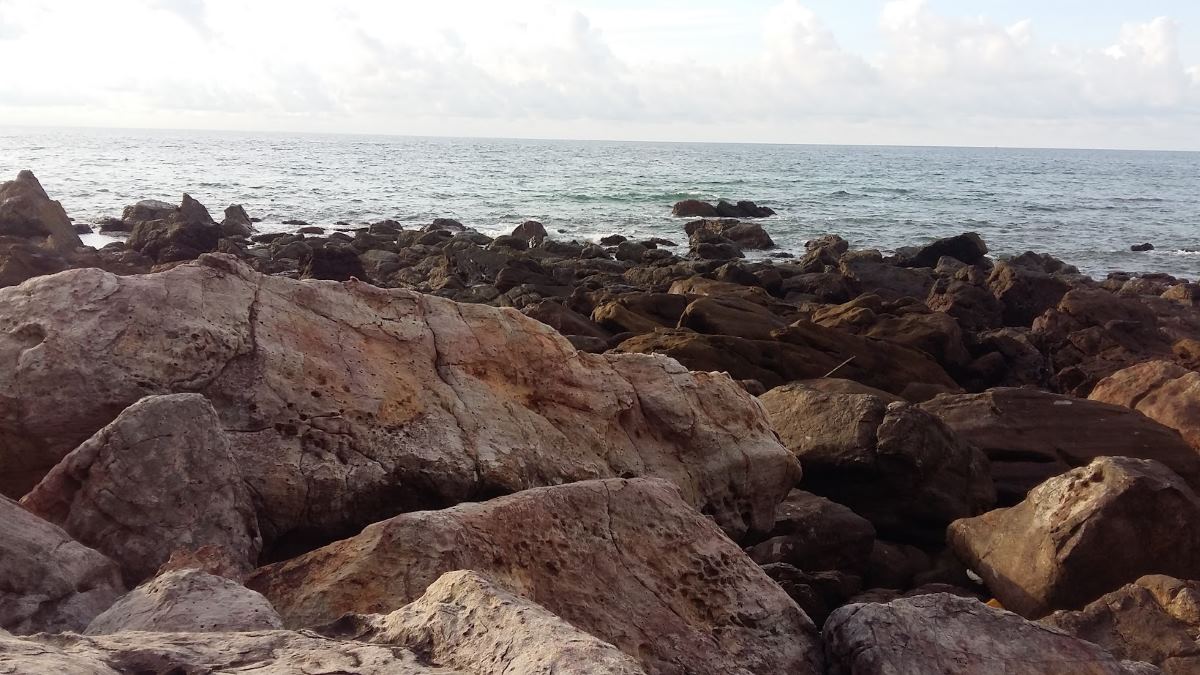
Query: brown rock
(27,212)
(1083,534)
(48,581)
(813,534)
(693,208)
(725,315)
(640,312)
(466,621)
(627,561)
(346,403)
(892,463)
(952,635)
(1024,292)
(1154,619)
(188,601)
(1166,393)
(1031,435)
(157,479)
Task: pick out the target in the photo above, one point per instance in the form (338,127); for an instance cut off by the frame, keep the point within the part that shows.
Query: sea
(1086,207)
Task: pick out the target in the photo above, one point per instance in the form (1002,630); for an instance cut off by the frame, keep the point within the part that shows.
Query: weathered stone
(1024,292)
(724,315)
(531,231)
(466,621)
(813,534)
(625,560)
(159,478)
(1154,619)
(1083,534)
(892,463)
(967,247)
(49,582)
(188,601)
(183,235)
(951,635)
(1031,435)
(27,212)
(258,653)
(1163,391)
(345,403)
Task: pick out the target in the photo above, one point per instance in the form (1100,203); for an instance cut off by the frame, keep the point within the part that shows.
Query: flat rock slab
(625,560)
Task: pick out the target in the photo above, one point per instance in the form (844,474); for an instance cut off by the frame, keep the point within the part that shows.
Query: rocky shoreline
(434,451)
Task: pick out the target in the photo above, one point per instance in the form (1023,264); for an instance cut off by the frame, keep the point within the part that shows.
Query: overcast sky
(1061,73)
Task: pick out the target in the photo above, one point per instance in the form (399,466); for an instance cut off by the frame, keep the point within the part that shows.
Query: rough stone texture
(345,403)
(1083,534)
(813,533)
(892,463)
(1024,292)
(184,234)
(27,212)
(1163,391)
(1031,435)
(1155,619)
(466,621)
(188,601)
(967,247)
(625,560)
(48,582)
(950,635)
(260,653)
(802,351)
(159,478)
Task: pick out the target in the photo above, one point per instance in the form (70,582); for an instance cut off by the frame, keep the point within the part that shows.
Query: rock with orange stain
(344,403)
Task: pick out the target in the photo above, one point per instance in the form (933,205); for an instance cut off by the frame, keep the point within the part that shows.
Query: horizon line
(583,140)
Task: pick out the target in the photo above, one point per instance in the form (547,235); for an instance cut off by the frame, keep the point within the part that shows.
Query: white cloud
(544,67)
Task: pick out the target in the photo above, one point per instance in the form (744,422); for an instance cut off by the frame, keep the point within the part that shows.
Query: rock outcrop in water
(520,454)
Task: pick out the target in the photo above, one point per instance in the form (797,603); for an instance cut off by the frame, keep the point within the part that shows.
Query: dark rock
(531,231)
(27,212)
(237,222)
(335,262)
(295,221)
(310,229)
(1142,247)
(630,252)
(184,234)
(892,463)
(813,534)
(694,208)
(449,224)
(967,248)
(613,240)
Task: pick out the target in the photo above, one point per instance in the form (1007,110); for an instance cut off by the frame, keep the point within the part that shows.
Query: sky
(1024,73)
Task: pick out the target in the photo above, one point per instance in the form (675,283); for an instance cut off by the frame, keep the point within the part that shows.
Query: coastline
(631,445)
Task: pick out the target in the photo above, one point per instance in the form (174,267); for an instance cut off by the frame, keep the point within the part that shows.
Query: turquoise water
(1085,206)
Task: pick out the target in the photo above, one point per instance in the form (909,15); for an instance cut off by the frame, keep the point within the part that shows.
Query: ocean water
(1084,206)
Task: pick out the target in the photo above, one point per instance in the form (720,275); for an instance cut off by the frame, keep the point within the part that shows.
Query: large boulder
(158,479)
(892,463)
(1155,619)
(1083,534)
(1031,435)
(345,403)
(464,620)
(624,560)
(693,208)
(724,315)
(23,259)
(183,234)
(48,581)
(1163,391)
(237,222)
(743,235)
(188,601)
(27,212)
(951,635)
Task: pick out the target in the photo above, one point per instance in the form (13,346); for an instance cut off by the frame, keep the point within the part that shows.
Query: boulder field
(392,450)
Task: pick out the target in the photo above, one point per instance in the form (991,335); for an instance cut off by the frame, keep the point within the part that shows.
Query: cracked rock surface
(625,560)
(344,403)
